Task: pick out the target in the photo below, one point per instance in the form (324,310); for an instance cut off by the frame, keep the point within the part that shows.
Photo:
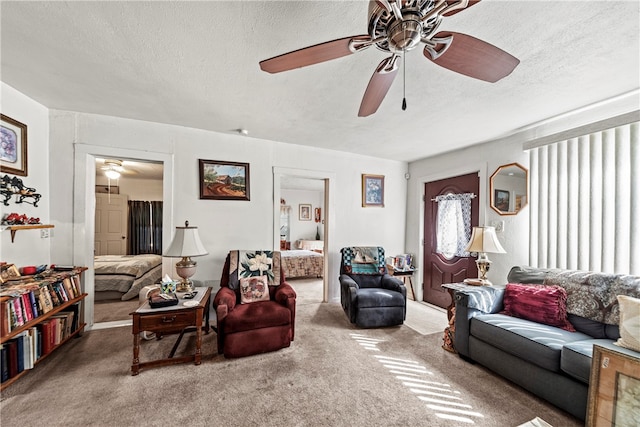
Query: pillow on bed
(542,304)
(252,289)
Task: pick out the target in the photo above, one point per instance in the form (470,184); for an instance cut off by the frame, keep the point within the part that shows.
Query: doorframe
(84,181)
(481,169)
(329,179)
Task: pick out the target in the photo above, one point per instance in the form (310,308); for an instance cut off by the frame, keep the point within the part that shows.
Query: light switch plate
(498,225)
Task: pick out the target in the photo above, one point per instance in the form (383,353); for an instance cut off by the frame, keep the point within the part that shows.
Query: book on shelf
(4,362)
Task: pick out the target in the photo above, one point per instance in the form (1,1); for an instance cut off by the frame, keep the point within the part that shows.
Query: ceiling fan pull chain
(404,80)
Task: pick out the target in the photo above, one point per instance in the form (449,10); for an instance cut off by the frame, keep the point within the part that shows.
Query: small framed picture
(13,146)
(8,272)
(372,190)
(501,200)
(224,180)
(304,212)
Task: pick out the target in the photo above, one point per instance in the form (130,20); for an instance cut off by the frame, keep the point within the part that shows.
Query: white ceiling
(195,64)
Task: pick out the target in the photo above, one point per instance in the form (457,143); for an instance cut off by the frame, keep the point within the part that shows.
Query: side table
(404,275)
(169,320)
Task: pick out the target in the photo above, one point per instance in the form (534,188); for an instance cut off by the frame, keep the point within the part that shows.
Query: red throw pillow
(539,303)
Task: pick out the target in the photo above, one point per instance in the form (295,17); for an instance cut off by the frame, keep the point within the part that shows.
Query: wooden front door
(438,268)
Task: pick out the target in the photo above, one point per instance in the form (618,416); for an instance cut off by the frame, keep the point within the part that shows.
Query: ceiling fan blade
(315,54)
(455,10)
(379,85)
(470,56)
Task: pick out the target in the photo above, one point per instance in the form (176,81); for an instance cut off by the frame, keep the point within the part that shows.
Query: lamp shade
(484,239)
(186,243)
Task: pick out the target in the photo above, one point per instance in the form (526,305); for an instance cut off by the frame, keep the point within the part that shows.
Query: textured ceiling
(195,64)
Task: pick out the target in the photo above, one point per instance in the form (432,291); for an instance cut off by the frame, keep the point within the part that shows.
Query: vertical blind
(585,202)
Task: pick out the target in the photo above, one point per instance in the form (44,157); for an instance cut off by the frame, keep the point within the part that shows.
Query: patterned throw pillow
(538,303)
(254,289)
(629,322)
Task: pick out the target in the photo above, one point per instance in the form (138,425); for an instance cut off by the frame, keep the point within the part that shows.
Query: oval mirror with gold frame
(509,189)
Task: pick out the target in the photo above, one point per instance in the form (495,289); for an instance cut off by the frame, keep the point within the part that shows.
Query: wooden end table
(171,320)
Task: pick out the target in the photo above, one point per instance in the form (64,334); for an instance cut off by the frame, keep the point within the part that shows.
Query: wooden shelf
(73,334)
(14,228)
(43,283)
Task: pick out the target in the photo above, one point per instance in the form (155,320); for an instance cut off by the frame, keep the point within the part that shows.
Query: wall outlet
(45,233)
(498,225)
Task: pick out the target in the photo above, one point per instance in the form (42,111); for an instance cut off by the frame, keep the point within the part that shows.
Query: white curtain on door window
(453,224)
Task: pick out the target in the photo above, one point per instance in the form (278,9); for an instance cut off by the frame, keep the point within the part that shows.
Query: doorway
(320,182)
(444,265)
(84,213)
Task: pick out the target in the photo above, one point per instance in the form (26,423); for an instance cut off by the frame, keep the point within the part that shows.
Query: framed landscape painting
(372,190)
(220,180)
(13,146)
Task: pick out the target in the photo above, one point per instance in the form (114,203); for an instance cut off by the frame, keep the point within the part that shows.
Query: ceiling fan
(398,26)
(112,168)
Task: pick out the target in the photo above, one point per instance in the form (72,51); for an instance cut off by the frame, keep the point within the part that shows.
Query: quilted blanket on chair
(363,260)
(248,263)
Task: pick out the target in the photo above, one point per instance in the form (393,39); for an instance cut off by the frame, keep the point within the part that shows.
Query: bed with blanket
(302,263)
(123,276)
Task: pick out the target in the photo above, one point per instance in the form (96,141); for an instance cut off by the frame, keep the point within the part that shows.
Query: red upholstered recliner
(260,326)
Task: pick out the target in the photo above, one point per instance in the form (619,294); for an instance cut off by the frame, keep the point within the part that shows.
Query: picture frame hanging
(304,212)
(372,190)
(222,180)
(13,146)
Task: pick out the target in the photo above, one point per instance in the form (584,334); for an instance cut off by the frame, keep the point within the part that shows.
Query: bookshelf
(56,315)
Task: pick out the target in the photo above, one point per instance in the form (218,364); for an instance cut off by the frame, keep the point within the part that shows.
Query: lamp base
(185,268)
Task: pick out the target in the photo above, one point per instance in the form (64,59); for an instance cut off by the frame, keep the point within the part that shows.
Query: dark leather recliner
(256,327)
(370,297)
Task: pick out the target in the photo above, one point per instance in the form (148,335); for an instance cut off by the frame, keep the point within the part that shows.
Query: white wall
(28,248)
(226,225)
(136,189)
(484,158)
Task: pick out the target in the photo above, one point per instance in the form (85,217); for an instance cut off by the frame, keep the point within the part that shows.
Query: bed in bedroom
(123,276)
(302,263)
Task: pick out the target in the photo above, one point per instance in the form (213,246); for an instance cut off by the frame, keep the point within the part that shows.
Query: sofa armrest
(284,292)
(471,302)
(393,284)
(348,291)
(224,302)
(286,296)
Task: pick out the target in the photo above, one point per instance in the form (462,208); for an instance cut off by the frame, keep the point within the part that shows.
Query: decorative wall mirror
(509,189)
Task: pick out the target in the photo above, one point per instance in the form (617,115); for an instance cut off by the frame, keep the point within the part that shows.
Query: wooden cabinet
(38,315)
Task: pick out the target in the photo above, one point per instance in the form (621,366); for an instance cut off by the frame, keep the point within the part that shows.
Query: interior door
(111,224)
(438,268)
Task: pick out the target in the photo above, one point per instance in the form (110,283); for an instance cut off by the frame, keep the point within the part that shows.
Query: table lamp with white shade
(483,241)
(186,244)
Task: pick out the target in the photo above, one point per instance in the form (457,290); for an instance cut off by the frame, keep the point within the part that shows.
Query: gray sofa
(550,362)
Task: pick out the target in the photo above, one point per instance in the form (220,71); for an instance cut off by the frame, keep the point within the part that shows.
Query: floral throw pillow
(254,289)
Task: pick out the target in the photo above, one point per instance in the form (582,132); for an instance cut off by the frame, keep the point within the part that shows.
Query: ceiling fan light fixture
(112,174)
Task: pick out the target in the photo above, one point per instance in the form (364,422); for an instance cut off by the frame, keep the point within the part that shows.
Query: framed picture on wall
(221,180)
(13,146)
(304,212)
(372,190)
(501,200)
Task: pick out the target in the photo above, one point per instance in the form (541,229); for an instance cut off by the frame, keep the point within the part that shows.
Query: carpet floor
(334,374)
